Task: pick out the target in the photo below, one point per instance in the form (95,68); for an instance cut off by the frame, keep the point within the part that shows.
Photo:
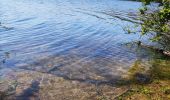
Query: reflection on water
(77,39)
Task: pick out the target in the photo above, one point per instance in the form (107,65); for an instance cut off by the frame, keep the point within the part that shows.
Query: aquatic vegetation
(160,69)
(157,86)
(156,69)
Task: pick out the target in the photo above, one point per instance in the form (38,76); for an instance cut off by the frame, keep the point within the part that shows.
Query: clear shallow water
(77,39)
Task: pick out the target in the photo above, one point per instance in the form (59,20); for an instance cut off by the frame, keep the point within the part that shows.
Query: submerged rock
(167,53)
(167,91)
(43,86)
(142,78)
(2,95)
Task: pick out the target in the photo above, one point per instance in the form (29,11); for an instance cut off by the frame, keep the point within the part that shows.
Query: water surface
(76,39)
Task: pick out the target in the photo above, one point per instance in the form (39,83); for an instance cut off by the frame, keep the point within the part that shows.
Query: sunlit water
(75,39)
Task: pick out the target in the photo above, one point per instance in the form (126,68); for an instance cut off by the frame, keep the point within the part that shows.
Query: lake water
(75,39)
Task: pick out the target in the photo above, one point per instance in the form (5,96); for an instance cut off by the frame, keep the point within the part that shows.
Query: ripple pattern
(76,39)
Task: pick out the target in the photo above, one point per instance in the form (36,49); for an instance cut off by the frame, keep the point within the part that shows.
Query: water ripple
(75,39)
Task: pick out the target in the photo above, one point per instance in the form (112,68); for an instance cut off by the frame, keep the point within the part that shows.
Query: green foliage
(156,22)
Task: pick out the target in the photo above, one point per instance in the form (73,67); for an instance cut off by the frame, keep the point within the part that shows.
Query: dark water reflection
(77,39)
